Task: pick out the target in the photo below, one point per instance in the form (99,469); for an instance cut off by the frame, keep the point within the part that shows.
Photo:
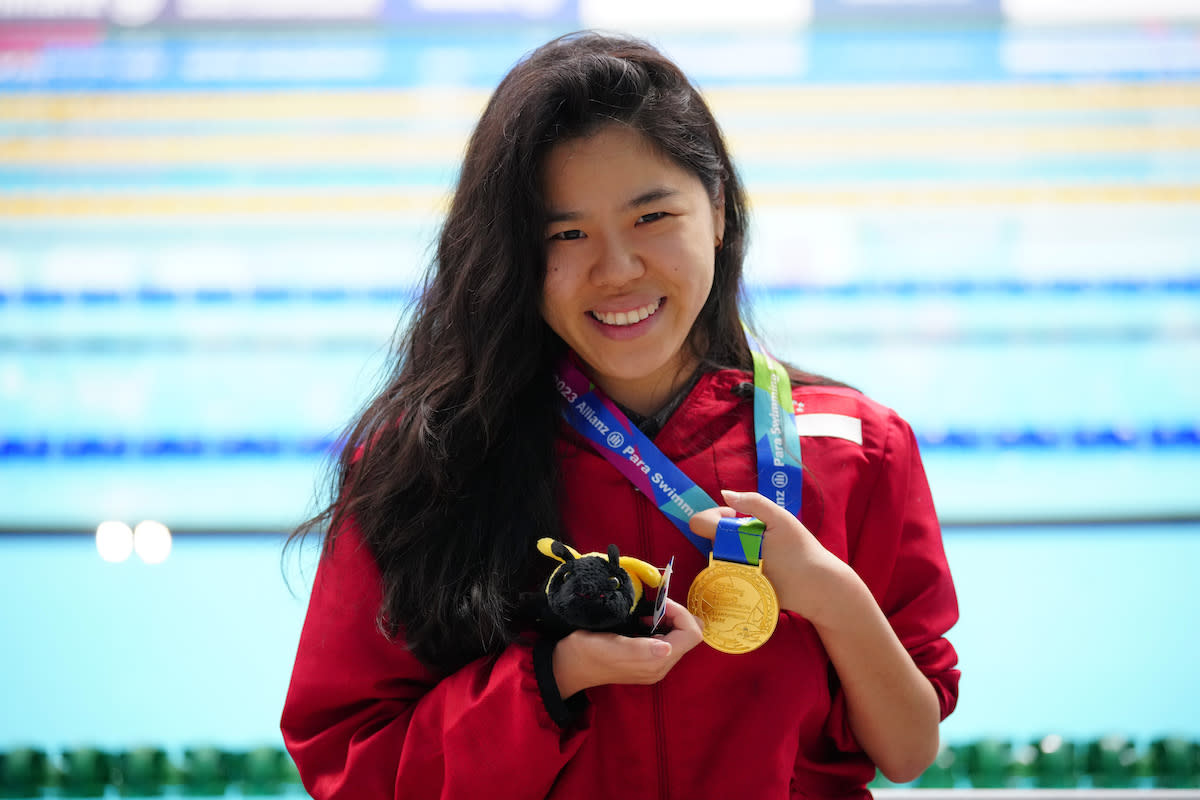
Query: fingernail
(659,649)
(729,493)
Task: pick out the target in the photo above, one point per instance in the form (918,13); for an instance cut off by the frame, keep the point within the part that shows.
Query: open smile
(622,319)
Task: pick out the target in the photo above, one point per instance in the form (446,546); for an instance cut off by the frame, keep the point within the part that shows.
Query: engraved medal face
(738,606)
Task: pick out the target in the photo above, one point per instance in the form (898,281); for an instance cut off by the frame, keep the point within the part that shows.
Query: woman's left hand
(805,575)
(892,707)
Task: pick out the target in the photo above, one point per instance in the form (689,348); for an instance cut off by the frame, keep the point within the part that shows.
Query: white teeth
(621,318)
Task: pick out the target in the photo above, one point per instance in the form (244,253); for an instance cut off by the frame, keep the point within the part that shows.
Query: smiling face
(631,239)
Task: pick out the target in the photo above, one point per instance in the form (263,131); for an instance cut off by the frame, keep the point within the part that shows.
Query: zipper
(658,703)
(660,747)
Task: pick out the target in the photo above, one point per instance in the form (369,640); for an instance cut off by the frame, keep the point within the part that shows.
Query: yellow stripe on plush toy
(639,571)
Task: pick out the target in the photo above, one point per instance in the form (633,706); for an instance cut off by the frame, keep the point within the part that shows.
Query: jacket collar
(717,401)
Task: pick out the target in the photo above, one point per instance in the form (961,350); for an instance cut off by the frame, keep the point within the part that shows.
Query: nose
(617,263)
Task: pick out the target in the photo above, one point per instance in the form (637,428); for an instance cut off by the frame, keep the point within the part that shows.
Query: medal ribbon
(775,432)
(677,496)
(591,413)
(739,539)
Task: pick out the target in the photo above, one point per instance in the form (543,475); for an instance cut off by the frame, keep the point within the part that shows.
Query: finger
(629,648)
(655,648)
(755,505)
(704,523)
(684,637)
(679,618)
(673,610)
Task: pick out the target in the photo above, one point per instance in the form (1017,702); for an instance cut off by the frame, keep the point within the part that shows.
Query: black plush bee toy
(595,592)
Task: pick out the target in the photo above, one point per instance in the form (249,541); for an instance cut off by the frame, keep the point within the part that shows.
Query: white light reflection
(114,541)
(152,541)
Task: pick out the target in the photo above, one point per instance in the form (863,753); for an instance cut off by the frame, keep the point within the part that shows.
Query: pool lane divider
(40,297)
(381,104)
(267,149)
(87,448)
(332,205)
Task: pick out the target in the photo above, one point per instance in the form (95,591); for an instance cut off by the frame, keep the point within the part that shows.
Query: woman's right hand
(585,658)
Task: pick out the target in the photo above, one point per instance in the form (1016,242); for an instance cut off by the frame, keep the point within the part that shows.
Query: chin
(634,369)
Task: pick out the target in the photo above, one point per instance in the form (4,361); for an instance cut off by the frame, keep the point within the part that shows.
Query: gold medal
(737,603)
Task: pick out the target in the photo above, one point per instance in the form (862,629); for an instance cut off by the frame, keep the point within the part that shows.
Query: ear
(556,550)
(719,217)
(642,571)
(614,555)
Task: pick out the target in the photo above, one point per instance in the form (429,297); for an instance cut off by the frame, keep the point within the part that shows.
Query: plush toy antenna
(550,548)
(642,572)
(639,572)
(562,552)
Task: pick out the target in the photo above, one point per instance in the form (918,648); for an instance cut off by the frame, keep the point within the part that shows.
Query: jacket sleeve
(897,550)
(365,719)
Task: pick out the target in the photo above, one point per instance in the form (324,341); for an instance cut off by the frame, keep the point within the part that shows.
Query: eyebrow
(645,198)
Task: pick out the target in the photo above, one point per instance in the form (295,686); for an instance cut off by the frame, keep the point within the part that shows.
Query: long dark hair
(450,473)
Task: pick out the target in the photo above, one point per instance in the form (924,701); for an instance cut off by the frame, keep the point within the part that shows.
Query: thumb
(704,523)
(656,647)
(755,505)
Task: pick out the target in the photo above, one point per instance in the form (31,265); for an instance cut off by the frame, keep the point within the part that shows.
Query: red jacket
(364,719)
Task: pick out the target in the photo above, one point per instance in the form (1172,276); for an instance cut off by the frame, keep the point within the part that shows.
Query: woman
(599,226)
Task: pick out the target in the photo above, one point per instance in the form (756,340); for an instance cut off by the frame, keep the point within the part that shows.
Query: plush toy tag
(660,602)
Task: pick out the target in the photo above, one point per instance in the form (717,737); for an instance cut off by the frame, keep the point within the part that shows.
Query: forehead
(612,165)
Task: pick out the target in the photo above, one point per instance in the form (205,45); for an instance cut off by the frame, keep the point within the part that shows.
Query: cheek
(693,267)
(688,256)
(564,274)
(556,295)
(699,280)
(557,270)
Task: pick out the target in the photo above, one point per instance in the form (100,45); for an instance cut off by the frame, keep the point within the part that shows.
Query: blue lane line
(1184,284)
(72,449)
(274,295)
(1050,439)
(306,59)
(270,447)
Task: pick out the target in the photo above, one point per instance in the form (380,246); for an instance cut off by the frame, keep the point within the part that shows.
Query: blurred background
(984,214)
